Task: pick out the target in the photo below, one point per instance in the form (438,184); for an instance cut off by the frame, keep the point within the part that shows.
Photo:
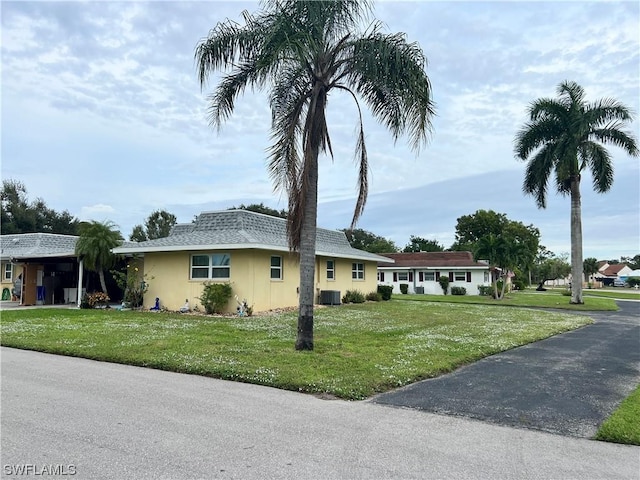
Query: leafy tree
(157,225)
(18,215)
(261,208)
(94,247)
(303,51)
(589,266)
(550,268)
(632,262)
(419,244)
(368,241)
(471,228)
(564,137)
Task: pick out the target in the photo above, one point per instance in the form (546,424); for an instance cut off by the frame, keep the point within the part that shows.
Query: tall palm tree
(94,247)
(565,136)
(302,51)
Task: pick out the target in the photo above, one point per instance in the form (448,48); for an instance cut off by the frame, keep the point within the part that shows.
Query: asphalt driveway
(568,384)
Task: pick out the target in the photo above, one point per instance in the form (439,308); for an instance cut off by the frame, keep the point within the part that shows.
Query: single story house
(250,251)
(609,273)
(42,268)
(422,271)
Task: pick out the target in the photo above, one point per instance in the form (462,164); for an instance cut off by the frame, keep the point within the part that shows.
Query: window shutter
(451,276)
(395,276)
(382,276)
(411,276)
(420,276)
(437,276)
(469,277)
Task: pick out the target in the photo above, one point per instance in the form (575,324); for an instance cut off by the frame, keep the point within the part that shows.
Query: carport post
(80,272)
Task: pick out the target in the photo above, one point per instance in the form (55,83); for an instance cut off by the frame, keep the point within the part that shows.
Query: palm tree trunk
(103,284)
(576,241)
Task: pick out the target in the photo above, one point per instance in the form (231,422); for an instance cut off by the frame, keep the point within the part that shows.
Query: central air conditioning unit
(329,297)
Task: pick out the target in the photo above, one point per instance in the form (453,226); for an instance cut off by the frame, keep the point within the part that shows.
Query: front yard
(360,349)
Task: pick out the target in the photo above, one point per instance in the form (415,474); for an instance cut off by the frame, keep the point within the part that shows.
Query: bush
(458,291)
(518,284)
(215,297)
(353,296)
(93,300)
(404,288)
(633,281)
(132,284)
(485,290)
(444,283)
(374,297)
(385,291)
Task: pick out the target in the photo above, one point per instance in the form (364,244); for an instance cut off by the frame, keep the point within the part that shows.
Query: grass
(623,426)
(622,294)
(527,298)
(360,349)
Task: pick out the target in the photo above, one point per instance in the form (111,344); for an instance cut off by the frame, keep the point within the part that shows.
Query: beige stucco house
(250,251)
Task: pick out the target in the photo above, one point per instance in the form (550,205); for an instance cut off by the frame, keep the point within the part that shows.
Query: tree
(305,50)
(94,247)
(589,266)
(419,244)
(368,241)
(157,225)
(18,215)
(564,137)
(550,268)
(261,208)
(632,262)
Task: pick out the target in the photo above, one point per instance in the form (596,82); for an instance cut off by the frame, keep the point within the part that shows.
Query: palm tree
(590,266)
(94,247)
(565,136)
(303,50)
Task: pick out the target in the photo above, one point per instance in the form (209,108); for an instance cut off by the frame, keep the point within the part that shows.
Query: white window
(214,266)
(486,277)
(357,271)
(8,271)
(403,276)
(331,270)
(460,276)
(276,267)
(429,276)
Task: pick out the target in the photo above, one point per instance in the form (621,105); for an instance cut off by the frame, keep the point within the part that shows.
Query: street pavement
(567,384)
(104,421)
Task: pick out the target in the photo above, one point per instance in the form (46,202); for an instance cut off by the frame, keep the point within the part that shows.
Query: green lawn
(623,426)
(626,294)
(360,349)
(527,298)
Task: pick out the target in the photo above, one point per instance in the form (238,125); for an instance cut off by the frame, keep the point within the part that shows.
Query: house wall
(432,287)
(168,276)
(7,278)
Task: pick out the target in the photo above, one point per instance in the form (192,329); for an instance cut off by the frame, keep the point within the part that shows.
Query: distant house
(249,250)
(42,266)
(609,273)
(422,271)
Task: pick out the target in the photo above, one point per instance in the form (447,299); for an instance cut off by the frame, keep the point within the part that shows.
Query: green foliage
(385,291)
(133,284)
(590,266)
(369,242)
(261,208)
(633,281)
(457,290)
(485,290)
(94,247)
(157,225)
(419,244)
(404,288)
(215,296)
(374,297)
(353,296)
(19,215)
(444,283)
(518,283)
(632,262)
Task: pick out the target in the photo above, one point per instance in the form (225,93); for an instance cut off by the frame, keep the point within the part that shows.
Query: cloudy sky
(102,115)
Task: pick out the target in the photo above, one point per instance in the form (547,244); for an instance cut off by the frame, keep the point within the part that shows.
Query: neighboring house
(44,265)
(608,274)
(422,271)
(249,250)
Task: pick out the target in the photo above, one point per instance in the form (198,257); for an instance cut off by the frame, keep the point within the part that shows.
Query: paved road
(567,384)
(117,421)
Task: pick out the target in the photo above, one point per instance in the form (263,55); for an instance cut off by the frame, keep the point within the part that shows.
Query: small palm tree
(94,247)
(304,50)
(564,137)
(590,266)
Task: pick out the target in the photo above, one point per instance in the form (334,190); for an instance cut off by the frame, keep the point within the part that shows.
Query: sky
(103,116)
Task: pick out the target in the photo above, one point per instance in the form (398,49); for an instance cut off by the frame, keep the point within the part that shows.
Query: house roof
(613,270)
(241,229)
(434,260)
(37,245)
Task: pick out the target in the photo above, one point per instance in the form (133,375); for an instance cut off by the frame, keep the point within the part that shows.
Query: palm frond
(599,162)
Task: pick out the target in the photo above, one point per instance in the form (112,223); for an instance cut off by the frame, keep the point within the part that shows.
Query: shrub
(444,283)
(374,297)
(458,291)
(215,297)
(485,290)
(385,291)
(353,296)
(519,284)
(93,300)
(132,284)
(404,288)
(633,281)
(566,293)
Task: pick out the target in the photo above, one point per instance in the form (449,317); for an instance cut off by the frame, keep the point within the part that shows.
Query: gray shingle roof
(37,245)
(236,229)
